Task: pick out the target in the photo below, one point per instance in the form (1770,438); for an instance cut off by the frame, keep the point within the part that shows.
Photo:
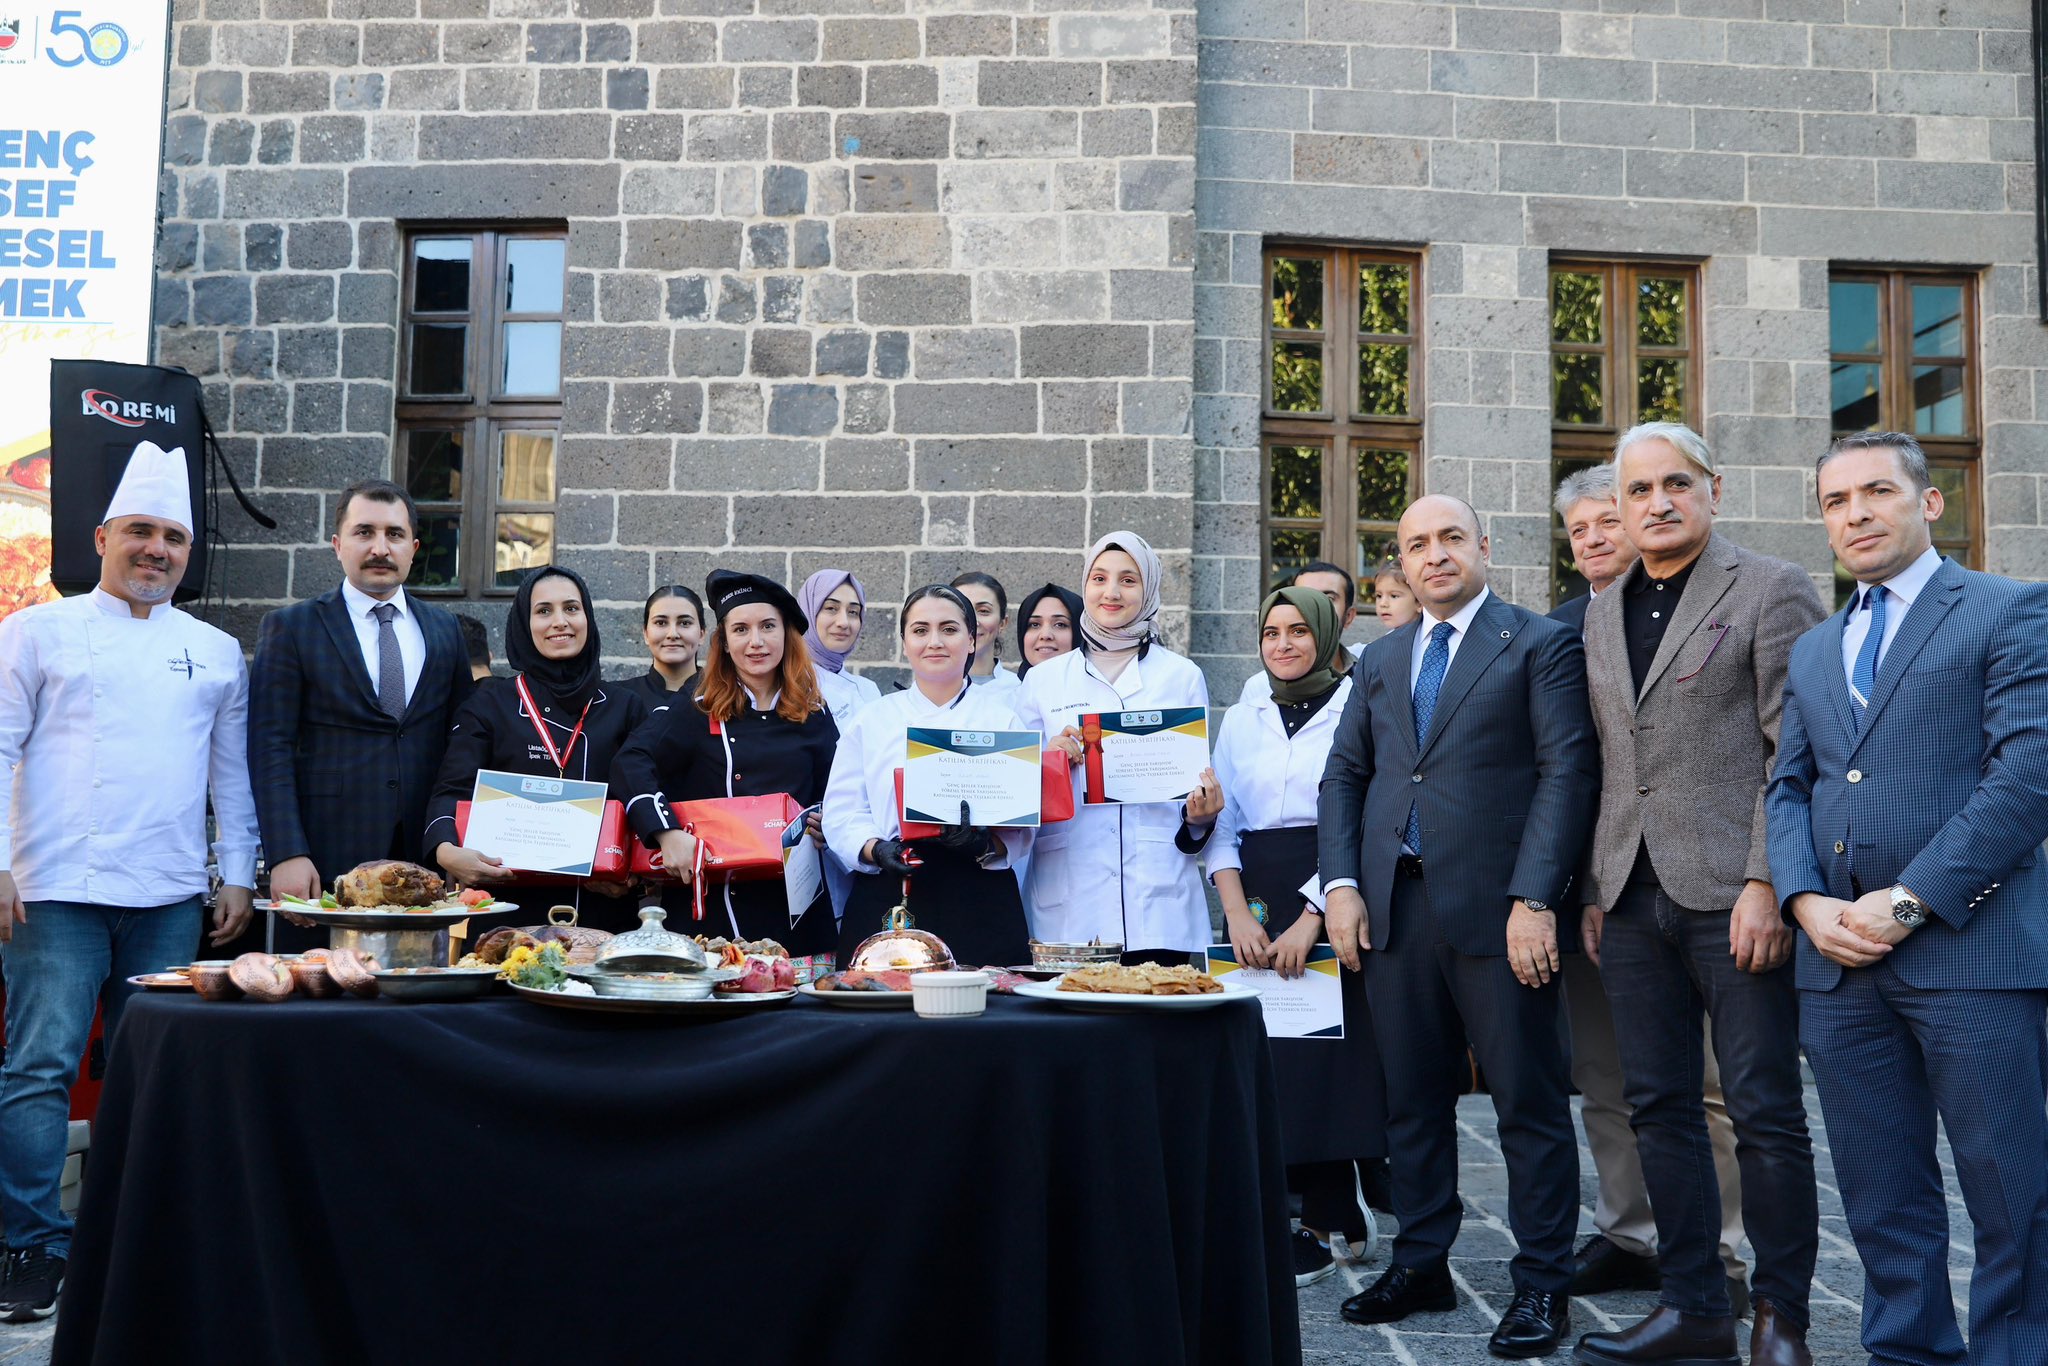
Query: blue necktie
(1863,679)
(1436,658)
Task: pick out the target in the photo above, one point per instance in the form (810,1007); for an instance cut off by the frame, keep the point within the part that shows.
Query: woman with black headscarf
(1045,625)
(555,718)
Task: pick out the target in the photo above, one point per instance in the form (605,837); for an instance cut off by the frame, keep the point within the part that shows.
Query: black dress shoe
(1401,1291)
(1665,1338)
(1534,1324)
(1603,1265)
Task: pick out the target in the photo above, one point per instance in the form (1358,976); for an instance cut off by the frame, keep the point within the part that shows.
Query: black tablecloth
(370,1182)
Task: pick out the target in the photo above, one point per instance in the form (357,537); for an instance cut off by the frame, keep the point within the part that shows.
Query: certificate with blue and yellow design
(1310,1006)
(536,824)
(1143,756)
(995,772)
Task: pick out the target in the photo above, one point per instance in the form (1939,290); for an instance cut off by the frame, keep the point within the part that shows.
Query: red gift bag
(741,836)
(1055,797)
(609,865)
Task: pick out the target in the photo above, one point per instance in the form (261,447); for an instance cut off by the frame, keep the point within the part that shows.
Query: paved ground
(1480,1266)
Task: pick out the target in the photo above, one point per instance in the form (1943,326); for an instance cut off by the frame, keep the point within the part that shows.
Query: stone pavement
(1480,1266)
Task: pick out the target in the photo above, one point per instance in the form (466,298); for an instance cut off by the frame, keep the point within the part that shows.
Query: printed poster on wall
(81,131)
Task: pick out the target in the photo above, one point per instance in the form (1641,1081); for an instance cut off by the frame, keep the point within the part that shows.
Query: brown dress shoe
(1665,1338)
(1774,1341)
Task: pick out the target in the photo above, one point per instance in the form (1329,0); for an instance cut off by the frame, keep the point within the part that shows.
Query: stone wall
(867,282)
(1766,137)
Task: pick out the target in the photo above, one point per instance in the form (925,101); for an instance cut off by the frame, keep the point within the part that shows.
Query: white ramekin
(946,995)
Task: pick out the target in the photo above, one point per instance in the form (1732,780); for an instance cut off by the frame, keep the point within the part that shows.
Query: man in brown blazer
(1686,658)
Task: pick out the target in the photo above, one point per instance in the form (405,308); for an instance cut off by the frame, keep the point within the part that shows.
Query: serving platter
(1119,1001)
(360,918)
(161,981)
(858,1000)
(637,1005)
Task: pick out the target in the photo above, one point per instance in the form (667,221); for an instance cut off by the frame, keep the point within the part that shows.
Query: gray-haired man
(1622,1252)
(1686,659)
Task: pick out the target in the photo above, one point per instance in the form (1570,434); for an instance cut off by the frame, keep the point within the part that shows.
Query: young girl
(552,718)
(672,624)
(1270,755)
(1393,601)
(964,889)
(1119,873)
(837,606)
(755,728)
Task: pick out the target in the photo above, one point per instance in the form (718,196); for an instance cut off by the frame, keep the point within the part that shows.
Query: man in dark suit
(1621,1253)
(1906,820)
(350,698)
(1458,795)
(1685,662)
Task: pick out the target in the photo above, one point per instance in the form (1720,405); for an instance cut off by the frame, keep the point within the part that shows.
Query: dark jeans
(1663,965)
(1427,1001)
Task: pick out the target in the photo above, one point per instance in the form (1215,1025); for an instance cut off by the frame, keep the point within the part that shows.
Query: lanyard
(561,756)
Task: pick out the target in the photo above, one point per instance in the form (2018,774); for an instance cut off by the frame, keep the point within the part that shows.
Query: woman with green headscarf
(1269,759)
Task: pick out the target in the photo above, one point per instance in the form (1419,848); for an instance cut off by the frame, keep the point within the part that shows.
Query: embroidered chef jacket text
(1113,872)
(860,798)
(844,694)
(412,643)
(116,727)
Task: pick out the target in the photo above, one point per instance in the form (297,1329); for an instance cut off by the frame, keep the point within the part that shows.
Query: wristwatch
(1908,909)
(1536,905)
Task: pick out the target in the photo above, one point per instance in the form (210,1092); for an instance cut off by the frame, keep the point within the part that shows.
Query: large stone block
(920,136)
(967,409)
(530,189)
(965,353)
(988,133)
(682,243)
(662,406)
(1085,350)
(514,137)
(828,521)
(914,299)
(1029,465)
(895,242)
(668,519)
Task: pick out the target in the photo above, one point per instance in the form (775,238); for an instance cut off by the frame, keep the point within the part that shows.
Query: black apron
(1333,1098)
(976,910)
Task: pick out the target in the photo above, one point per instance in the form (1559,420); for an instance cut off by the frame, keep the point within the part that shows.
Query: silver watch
(1908,909)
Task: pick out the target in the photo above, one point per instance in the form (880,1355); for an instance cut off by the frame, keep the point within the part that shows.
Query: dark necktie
(1436,659)
(1863,679)
(390,663)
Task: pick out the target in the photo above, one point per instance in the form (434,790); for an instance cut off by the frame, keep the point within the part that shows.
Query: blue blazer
(1507,777)
(335,778)
(1944,788)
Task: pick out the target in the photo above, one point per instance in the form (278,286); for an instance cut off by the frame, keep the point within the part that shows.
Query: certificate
(1310,1006)
(1143,756)
(537,825)
(996,772)
(803,866)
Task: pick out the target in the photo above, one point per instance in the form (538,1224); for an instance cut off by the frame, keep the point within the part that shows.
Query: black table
(369,1182)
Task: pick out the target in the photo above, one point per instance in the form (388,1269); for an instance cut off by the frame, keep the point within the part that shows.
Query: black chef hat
(728,588)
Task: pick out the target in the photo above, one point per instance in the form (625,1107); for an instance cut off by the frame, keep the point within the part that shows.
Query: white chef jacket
(860,797)
(1000,682)
(1269,779)
(115,728)
(1113,872)
(412,642)
(845,693)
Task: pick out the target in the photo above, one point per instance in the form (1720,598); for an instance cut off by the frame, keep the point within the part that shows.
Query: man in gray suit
(1685,659)
(1457,796)
(1906,825)
(1621,1253)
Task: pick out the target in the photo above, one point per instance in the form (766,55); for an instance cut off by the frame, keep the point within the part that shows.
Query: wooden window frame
(1895,362)
(1339,430)
(1573,444)
(482,414)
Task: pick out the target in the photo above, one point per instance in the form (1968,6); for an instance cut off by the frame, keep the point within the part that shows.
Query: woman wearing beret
(756,727)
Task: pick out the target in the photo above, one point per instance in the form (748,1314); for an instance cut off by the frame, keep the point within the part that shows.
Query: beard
(150,591)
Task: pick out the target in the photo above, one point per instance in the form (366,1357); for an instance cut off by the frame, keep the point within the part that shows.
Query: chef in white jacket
(1119,873)
(118,714)
(963,883)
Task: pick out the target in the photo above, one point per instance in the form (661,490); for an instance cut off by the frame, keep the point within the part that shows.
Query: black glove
(971,840)
(888,856)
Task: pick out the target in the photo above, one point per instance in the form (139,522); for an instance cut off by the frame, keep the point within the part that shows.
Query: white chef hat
(156,485)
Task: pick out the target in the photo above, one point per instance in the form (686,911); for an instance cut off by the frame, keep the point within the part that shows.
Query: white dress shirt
(1901,590)
(115,727)
(1461,622)
(412,643)
(860,797)
(845,693)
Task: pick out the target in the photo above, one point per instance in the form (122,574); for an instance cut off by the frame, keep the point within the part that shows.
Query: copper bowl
(310,977)
(210,979)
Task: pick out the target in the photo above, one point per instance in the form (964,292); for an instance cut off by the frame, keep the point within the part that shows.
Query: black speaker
(99,412)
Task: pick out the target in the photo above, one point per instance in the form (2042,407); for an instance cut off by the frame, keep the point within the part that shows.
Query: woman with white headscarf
(1119,873)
